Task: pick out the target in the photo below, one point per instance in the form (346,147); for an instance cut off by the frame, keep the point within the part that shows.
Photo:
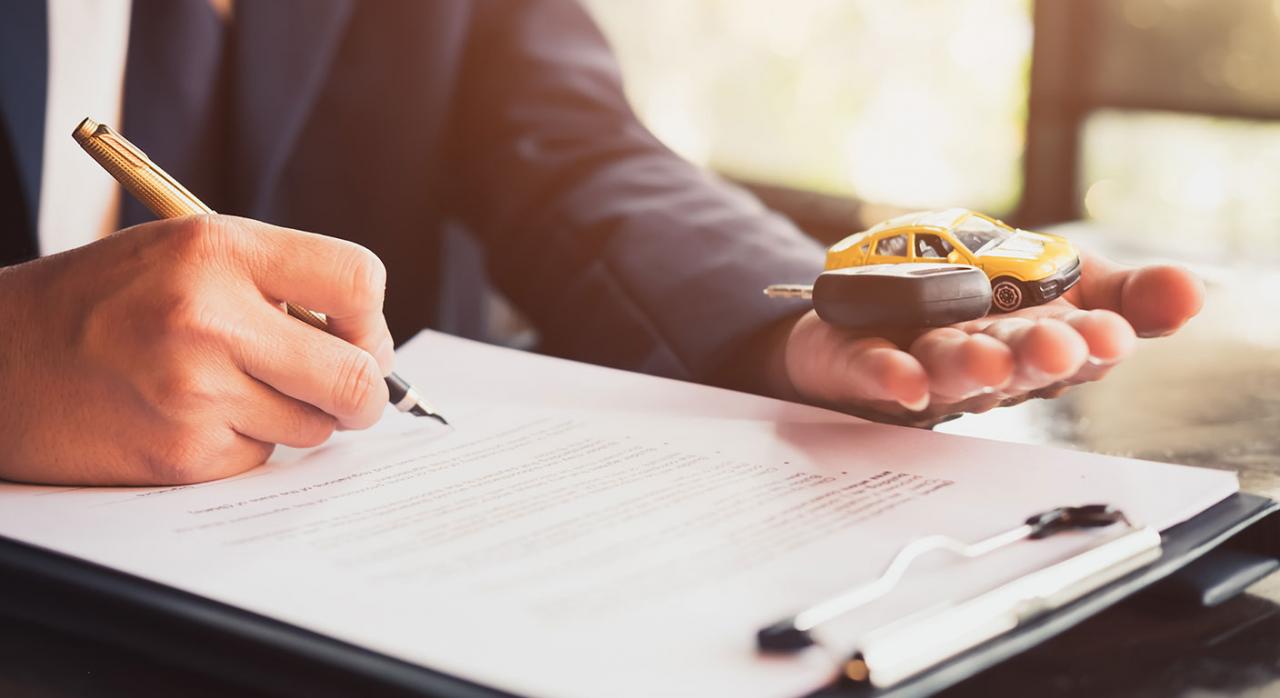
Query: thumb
(1156,300)
(844,370)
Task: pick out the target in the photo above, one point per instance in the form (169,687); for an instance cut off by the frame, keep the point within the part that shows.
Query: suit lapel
(24,72)
(284,49)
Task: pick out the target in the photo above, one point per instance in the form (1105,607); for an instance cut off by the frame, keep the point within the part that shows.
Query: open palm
(922,376)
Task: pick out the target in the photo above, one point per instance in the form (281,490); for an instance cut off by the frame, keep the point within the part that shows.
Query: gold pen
(168,199)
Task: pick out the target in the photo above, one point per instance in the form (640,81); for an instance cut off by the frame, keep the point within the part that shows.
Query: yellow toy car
(1025,268)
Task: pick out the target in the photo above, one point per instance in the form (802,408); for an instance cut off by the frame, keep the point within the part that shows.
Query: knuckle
(302,426)
(200,238)
(315,429)
(355,387)
(367,276)
(188,315)
(180,458)
(183,390)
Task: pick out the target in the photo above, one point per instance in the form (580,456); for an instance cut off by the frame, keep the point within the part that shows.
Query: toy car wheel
(1007,294)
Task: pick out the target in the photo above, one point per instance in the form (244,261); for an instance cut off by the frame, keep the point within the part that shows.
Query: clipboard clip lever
(1047,523)
(794,633)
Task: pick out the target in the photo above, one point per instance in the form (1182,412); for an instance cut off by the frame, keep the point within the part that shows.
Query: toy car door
(929,247)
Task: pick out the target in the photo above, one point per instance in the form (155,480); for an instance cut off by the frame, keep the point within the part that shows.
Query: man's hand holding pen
(166,352)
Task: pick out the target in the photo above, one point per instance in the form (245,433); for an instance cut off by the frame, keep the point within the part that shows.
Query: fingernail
(916,405)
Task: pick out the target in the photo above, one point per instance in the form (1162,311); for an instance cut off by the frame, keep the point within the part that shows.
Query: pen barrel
(310,317)
(141,178)
(397,389)
(151,185)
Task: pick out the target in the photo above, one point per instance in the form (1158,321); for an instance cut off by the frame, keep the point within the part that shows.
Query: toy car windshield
(979,235)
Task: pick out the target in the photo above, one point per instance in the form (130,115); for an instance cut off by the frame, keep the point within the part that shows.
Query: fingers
(1009,359)
(876,371)
(1045,351)
(259,418)
(1156,300)
(189,457)
(1159,300)
(1110,338)
(239,455)
(337,377)
(972,367)
(961,365)
(341,279)
(264,414)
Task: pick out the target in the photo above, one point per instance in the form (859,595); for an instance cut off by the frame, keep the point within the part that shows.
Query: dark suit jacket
(381,121)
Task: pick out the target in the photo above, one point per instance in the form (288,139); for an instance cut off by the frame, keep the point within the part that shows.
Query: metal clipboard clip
(890,654)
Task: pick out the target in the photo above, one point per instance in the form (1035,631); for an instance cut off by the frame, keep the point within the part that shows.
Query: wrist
(13,304)
(759,365)
(16,352)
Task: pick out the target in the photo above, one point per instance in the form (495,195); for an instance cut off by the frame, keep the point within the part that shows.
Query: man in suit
(160,355)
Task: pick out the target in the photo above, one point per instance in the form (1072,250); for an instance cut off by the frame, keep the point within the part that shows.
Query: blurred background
(1149,129)
(915,103)
(1156,119)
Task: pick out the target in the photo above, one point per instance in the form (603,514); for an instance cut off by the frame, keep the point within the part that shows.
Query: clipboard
(1203,561)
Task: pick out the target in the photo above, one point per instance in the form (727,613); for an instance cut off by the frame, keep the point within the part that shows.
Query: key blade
(800,291)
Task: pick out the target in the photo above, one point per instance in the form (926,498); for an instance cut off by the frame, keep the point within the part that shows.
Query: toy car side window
(930,245)
(895,246)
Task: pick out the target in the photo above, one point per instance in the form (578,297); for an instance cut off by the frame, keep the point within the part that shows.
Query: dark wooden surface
(1209,396)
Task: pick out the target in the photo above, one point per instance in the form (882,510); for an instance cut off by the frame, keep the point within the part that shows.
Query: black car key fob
(896,295)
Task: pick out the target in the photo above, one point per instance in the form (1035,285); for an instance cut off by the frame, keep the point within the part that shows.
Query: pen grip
(310,317)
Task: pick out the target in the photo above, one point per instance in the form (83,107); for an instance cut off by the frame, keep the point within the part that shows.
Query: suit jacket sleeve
(621,252)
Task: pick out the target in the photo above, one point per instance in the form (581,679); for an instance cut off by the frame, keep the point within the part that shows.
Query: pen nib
(406,399)
(420,411)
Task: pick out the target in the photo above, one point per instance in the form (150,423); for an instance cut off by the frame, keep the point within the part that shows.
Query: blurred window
(895,246)
(915,103)
(1159,120)
(1188,186)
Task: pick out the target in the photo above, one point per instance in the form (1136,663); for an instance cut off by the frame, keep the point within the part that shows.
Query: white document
(583,531)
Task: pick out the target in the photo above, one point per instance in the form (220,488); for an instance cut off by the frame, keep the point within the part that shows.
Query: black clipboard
(1205,560)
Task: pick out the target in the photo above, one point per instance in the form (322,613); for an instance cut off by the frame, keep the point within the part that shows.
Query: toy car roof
(945,219)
